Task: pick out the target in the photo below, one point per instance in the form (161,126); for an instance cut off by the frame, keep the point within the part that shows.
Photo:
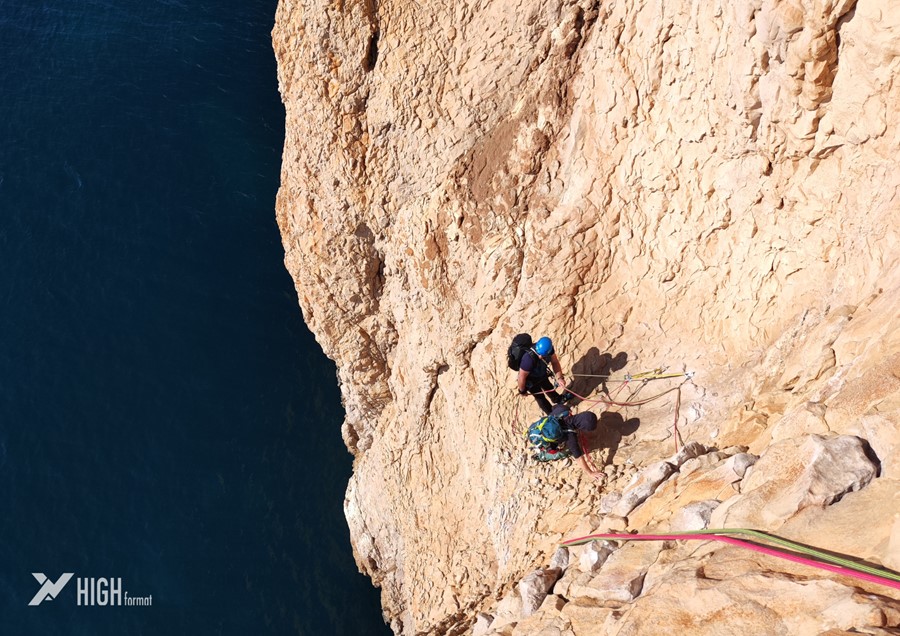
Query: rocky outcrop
(621,587)
(698,186)
(794,475)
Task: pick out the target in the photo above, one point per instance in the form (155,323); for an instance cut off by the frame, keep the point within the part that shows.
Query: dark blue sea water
(165,416)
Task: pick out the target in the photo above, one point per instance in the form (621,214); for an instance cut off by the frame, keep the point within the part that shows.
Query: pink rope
(614,403)
(676,434)
(743,544)
(619,390)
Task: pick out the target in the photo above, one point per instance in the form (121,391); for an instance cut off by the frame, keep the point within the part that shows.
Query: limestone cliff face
(705,186)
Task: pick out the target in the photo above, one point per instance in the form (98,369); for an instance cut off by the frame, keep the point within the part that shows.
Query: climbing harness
(788,550)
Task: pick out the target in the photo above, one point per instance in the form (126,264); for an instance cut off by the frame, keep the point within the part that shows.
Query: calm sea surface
(165,416)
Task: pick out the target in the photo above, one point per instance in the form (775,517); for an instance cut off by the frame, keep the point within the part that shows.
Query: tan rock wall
(703,186)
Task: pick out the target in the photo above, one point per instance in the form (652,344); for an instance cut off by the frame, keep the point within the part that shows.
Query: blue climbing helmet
(543,347)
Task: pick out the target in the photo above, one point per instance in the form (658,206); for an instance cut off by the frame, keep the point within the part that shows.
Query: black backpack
(520,344)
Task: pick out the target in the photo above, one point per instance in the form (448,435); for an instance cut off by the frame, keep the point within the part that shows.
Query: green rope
(802,549)
(764,536)
(646,375)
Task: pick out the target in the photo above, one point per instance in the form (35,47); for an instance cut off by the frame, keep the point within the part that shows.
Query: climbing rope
(656,374)
(644,377)
(632,402)
(677,435)
(792,551)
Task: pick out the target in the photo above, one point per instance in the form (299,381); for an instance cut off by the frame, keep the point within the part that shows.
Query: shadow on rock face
(611,428)
(592,370)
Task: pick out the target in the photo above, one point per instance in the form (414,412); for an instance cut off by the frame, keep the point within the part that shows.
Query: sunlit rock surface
(707,187)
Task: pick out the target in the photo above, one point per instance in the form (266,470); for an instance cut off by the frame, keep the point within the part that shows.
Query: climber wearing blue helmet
(543,347)
(535,372)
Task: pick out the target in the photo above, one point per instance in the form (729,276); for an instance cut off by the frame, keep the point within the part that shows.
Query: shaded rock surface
(700,186)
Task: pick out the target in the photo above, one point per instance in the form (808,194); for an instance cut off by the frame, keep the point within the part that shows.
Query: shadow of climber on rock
(611,428)
(592,370)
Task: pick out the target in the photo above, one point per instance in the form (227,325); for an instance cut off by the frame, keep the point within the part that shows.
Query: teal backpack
(546,437)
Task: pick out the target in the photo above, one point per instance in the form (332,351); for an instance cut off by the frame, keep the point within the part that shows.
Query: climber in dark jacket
(535,372)
(572,424)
